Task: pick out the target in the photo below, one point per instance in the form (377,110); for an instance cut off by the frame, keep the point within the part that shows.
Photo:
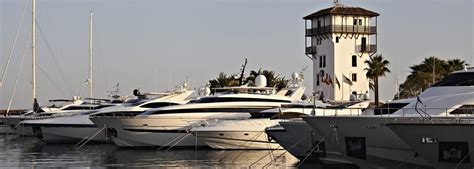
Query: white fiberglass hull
(246,134)
(70,129)
(150,132)
(70,134)
(367,142)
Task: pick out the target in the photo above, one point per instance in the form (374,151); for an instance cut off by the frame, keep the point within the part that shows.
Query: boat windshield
(457,79)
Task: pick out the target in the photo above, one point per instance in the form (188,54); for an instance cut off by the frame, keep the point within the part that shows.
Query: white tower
(338,41)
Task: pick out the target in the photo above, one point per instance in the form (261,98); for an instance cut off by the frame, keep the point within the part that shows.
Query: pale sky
(136,41)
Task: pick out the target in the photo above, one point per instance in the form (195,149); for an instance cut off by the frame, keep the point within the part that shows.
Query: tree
(273,79)
(223,80)
(425,74)
(377,66)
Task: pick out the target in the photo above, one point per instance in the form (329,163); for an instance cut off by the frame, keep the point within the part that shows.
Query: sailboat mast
(33,46)
(90,55)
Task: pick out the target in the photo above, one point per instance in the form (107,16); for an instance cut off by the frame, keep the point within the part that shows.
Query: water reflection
(31,152)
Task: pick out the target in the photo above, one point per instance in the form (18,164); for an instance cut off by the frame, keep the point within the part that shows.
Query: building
(338,40)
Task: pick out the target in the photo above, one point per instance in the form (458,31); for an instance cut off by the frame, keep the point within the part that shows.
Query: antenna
(90,55)
(241,80)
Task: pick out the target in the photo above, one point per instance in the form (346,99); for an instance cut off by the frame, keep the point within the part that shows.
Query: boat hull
(367,142)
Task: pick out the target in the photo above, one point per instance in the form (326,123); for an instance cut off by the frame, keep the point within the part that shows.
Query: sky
(154,44)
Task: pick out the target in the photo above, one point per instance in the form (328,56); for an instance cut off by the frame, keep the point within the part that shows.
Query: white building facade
(338,41)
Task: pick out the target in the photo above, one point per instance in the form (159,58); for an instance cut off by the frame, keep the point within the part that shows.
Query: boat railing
(424,112)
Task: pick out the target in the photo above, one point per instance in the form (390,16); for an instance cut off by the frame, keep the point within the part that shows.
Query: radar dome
(295,75)
(260,81)
(207,91)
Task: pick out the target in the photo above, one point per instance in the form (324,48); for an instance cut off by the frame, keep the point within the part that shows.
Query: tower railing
(370,48)
(341,29)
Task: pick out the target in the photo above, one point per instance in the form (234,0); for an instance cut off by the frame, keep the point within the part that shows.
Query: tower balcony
(310,50)
(366,48)
(341,29)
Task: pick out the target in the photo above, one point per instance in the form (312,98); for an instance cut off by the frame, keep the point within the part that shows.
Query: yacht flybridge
(170,126)
(367,141)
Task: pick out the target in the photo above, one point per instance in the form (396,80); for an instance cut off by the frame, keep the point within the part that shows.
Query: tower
(338,40)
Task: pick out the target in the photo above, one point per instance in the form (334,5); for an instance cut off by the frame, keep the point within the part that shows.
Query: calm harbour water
(31,152)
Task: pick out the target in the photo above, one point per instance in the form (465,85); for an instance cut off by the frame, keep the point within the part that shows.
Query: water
(31,152)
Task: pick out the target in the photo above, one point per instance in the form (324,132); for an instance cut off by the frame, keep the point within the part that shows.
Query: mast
(33,47)
(90,54)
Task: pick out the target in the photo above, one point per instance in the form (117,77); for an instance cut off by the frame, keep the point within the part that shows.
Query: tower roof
(342,10)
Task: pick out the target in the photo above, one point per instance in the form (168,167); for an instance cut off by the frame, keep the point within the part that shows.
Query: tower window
(324,60)
(354,61)
(354,77)
(337,39)
(355,21)
(320,61)
(317,80)
(360,21)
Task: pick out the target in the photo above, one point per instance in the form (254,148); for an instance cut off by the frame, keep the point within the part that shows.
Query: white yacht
(444,142)
(250,133)
(78,127)
(170,126)
(57,107)
(368,142)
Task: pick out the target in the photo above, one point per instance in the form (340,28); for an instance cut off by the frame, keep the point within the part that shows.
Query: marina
(342,114)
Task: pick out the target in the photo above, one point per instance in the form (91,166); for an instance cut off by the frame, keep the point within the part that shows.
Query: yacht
(57,107)
(170,126)
(250,133)
(368,142)
(70,129)
(308,143)
(444,142)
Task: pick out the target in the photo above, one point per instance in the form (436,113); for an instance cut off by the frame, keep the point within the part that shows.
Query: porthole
(220,134)
(246,134)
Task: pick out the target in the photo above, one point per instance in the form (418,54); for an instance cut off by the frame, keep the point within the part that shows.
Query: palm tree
(428,72)
(273,79)
(377,66)
(223,80)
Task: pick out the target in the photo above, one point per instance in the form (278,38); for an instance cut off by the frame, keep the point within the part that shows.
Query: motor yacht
(70,129)
(170,126)
(368,142)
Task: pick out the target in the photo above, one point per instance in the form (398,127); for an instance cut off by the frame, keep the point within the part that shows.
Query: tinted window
(464,109)
(157,104)
(231,99)
(209,110)
(389,108)
(457,79)
(79,108)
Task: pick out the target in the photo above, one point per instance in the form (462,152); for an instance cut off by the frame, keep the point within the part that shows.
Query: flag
(330,81)
(337,82)
(346,80)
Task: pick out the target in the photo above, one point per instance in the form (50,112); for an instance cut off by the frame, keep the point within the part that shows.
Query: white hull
(70,134)
(234,140)
(382,147)
(140,132)
(238,134)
